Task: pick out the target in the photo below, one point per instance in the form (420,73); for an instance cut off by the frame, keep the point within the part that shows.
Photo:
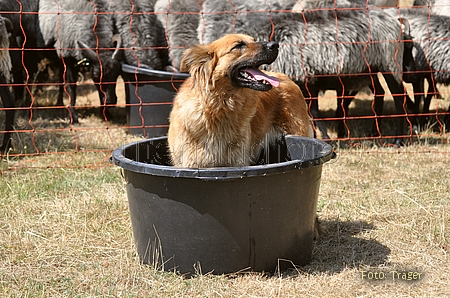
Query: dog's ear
(200,62)
(193,57)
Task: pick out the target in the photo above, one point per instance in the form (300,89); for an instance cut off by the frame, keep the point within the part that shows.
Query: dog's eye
(241,45)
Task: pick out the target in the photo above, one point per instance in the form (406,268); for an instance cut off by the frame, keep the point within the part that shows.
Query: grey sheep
(311,4)
(223,17)
(143,41)
(185,20)
(24,40)
(79,30)
(431,36)
(319,56)
(6,29)
(439,7)
(5,59)
(180,18)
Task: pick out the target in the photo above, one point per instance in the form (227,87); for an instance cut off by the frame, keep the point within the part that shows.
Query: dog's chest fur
(221,130)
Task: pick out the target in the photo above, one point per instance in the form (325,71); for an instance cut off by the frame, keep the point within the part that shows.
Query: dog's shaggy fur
(224,111)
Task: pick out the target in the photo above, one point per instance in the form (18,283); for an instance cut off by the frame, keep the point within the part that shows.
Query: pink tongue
(259,75)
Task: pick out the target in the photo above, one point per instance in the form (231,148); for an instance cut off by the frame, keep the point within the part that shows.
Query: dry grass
(66,232)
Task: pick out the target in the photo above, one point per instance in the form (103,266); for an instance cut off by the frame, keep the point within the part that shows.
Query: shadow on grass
(342,246)
(115,115)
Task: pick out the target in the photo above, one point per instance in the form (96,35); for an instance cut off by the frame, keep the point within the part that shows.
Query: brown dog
(228,107)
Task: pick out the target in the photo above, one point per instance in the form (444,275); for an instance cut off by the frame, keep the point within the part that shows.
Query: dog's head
(235,59)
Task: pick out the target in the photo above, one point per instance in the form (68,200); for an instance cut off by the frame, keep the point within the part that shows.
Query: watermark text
(394,275)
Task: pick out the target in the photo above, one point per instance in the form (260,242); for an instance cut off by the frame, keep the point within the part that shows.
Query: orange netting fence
(120,61)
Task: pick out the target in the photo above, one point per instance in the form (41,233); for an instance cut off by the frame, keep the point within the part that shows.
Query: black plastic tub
(149,97)
(224,220)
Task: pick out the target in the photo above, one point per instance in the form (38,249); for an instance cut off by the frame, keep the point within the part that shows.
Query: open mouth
(253,78)
(254,74)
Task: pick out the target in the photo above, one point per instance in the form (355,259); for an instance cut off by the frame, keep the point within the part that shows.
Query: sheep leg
(427,101)
(105,100)
(18,88)
(378,102)
(70,87)
(342,112)
(432,91)
(60,101)
(17,72)
(314,110)
(312,99)
(447,118)
(311,96)
(103,94)
(399,95)
(8,102)
(418,88)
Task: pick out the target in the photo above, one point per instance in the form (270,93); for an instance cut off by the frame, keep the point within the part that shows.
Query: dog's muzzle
(247,73)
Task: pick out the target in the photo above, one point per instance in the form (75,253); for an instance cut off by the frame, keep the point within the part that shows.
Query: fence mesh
(57,45)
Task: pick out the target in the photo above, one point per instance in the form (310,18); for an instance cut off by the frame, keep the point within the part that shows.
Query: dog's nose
(272,46)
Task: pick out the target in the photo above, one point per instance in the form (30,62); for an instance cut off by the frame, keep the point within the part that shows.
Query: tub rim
(220,173)
(131,69)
